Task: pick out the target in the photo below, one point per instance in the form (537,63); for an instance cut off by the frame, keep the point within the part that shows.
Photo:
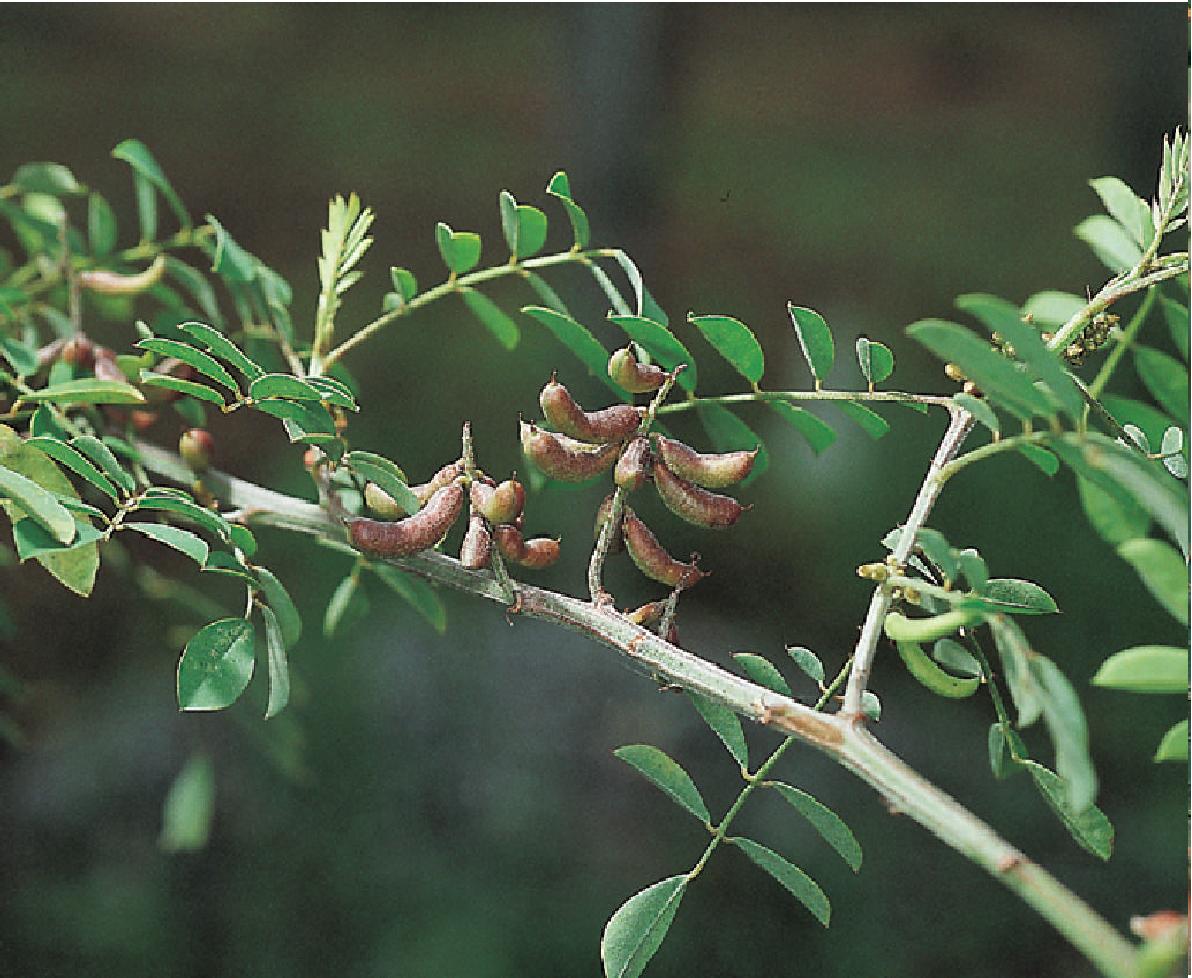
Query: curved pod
(565,458)
(712,471)
(421,531)
(693,504)
(652,559)
(610,424)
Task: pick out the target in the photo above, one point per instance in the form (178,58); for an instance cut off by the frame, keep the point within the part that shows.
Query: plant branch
(845,741)
(814,395)
(1123,341)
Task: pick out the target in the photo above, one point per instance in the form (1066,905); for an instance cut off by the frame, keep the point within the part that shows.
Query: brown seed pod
(633,467)
(565,458)
(650,557)
(648,615)
(444,477)
(539,553)
(615,544)
(380,502)
(476,550)
(610,424)
(78,351)
(401,538)
(634,377)
(509,542)
(499,504)
(711,471)
(693,504)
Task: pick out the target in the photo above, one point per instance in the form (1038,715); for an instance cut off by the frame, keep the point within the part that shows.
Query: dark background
(448,805)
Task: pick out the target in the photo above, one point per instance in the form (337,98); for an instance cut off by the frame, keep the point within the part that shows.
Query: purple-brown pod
(565,458)
(509,542)
(712,471)
(539,552)
(421,531)
(615,543)
(634,377)
(444,477)
(610,424)
(502,503)
(633,467)
(648,615)
(652,559)
(476,550)
(693,504)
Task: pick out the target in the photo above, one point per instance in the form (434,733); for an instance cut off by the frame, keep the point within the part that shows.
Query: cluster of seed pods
(496,519)
(585,444)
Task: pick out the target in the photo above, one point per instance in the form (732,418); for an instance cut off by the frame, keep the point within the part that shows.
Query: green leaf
(576,338)
(1163,572)
(333,392)
(242,538)
(1174,745)
(524,226)
(1052,308)
(1068,729)
(75,461)
(201,361)
(284,386)
(1018,597)
(815,340)
(346,592)
(1116,520)
(307,418)
(609,288)
(1006,750)
(729,433)
(1166,378)
(993,373)
(734,341)
(224,348)
(950,653)
(229,260)
(633,273)
(181,540)
(725,724)
(223,563)
(183,506)
(868,420)
(935,547)
(101,226)
(416,593)
(189,806)
(1145,669)
(667,775)
(808,662)
(41,505)
(33,541)
(190,388)
(279,665)
(875,359)
(871,706)
(216,665)
(560,188)
(1002,317)
(53,179)
(546,293)
(87,390)
(1172,448)
(1126,207)
(404,282)
(1016,653)
(195,283)
(636,931)
(1176,315)
(763,672)
(491,317)
(825,821)
(21,356)
(972,566)
(1041,457)
(146,198)
(136,154)
(980,410)
(1146,417)
(282,605)
(662,345)
(460,249)
(819,434)
(1090,828)
(801,886)
(1111,243)
(932,676)
(387,475)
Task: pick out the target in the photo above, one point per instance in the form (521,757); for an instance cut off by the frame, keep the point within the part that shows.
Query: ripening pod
(476,550)
(633,467)
(614,423)
(634,377)
(499,504)
(78,351)
(421,531)
(539,552)
(648,615)
(196,446)
(615,543)
(113,283)
(711,471)
(650,557)
(693,504)
(444,477)
(381,503)
(565,458)
(509,542)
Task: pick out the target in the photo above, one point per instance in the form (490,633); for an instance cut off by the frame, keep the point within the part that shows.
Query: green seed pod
(539,553)
(615,544)
(499,504)
(476,550)
(633,467)
(401,538)
(611,424)
(565,458)
(650,557)
(924,669)
(444,477)
(648,615)
(693,504)
(381,503)
(711,471)
(634,377)
(113,283)
(196,446)
(899,628)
